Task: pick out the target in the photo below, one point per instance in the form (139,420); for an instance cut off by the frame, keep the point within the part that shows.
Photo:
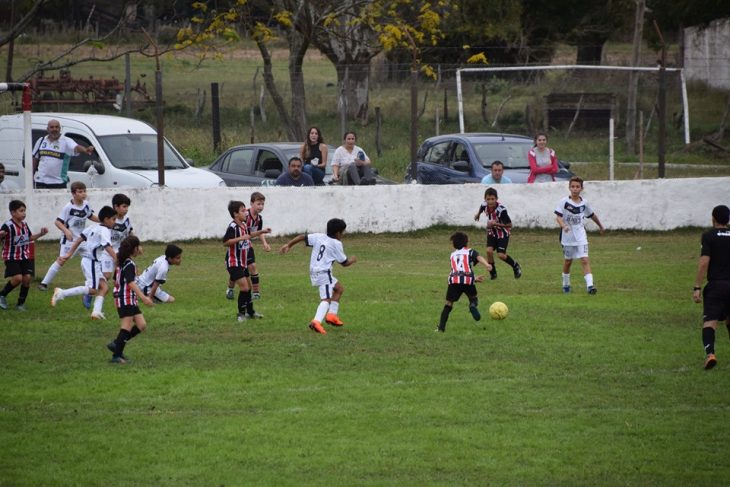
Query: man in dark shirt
(294,175)
(715,264)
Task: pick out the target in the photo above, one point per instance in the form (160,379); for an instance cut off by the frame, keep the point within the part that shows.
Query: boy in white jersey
(326,249)
(122,229)
(71,222)
(462,278)
(96,240)
(152,279)
(570,213)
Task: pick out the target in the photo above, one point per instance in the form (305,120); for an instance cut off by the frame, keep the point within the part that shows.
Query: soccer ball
(498,310)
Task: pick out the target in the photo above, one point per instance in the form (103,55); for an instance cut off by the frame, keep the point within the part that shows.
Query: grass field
(568,390)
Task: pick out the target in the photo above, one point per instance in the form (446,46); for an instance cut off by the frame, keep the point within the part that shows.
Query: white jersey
(74,218)
(53,157)
(157,271)
(97,238)
(325,251)
(573,215)
(122,229)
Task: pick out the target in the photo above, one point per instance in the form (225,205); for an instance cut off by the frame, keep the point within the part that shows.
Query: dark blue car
(466,158)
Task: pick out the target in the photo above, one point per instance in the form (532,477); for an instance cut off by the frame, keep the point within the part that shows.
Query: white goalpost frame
(685,103)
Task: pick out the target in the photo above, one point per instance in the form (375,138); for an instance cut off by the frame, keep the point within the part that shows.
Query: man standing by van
(51,156)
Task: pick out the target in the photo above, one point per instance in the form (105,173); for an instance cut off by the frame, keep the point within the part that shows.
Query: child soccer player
(570,213)
(122,229)
(254,222)
(152,279)
(499,226)
(71,221)
(326,249)
(97,239)
(19,264)
(126,293)
(237,239)
(462,278)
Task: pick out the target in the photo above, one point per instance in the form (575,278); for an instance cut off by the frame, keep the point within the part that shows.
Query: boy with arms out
(71,222)
(570,213)
(126,293)
(254,223)
(152,279)
(237,240)
(499,226)
(19,265)
(462,278)
(714,263)
(96,240)
(326,249)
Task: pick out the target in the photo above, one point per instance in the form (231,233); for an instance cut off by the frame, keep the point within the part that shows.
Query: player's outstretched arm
(36,236)
(486,264)
(286,247)
(63,258)
(350,260)
(59,224)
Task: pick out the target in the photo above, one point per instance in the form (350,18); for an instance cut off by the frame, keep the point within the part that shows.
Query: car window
(138,151)
(77,162)
(266,160)
(512,154)
(437,153)
(239,162)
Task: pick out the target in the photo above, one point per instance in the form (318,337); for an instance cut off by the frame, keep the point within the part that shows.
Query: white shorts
(571,252)
(325,281)
(65,247)
(92,273)
(107,263)
(159,294)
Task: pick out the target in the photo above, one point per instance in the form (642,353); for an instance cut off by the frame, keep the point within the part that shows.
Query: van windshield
(139,152)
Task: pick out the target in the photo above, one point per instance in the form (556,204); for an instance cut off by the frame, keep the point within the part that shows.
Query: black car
(466,158)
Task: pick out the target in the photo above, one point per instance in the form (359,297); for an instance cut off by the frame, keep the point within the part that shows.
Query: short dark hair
(295,158)
(497,163)
(334,226)
(106,212)
(490,192)
(121,199)
(15,205)
(576,179)
(460,240)
(257,196)
(77,185)
(721,214)
(234,206)
(172,251)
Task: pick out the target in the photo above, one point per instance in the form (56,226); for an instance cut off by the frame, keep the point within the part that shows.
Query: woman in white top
(350,164)
(543,161)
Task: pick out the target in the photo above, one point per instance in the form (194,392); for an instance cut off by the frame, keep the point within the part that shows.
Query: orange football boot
(317,326)
(333,319)
(710,361)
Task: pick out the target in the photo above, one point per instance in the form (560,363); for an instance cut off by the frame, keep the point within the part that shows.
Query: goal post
(683,83)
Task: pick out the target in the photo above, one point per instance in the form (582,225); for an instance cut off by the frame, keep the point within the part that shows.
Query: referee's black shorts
(716,300)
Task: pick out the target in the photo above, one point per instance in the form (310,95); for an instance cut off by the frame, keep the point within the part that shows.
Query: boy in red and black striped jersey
(126,293)
(19,263)
(499,226)
(237,240)
(462,278)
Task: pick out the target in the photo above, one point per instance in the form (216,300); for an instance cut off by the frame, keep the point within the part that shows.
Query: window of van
(138,152)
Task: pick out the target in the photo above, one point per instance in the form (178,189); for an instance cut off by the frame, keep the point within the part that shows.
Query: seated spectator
(294,175)
(497,175)
(350,164)
(314,155)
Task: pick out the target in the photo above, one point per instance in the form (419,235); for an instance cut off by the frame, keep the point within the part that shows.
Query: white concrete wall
(707,54)
(181,214)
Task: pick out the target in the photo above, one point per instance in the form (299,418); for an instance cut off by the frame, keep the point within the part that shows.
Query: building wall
(182,214)
(707,54)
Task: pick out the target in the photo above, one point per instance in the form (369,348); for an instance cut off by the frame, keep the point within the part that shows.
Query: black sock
(249,308)
(474,301)
(244,297)
(6,290)
(255,279)
(120,342)
(708,339)
(135,331)
(510,261)
(23,294)
(494,268)
(444,317)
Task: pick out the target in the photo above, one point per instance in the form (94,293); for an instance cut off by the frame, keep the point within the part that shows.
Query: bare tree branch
(22,24)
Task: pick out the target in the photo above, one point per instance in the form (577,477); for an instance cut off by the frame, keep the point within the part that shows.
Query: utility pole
(661,111)
(634,77)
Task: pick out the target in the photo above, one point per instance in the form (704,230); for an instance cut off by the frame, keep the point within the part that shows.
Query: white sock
(334,307)
(321,311)
(73,291)
(52,271)
(98,303)
(589,280)
(566,279)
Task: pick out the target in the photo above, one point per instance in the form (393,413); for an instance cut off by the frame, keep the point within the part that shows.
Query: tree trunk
(590,53)
(274,92)
(356,88)
(297,49)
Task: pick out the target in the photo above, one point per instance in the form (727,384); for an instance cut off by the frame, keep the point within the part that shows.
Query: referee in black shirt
(715,264)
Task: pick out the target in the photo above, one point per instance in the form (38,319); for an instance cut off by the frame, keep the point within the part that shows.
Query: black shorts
(24,267)
(716,300)
(454,291)
(237,273)
(498,244)
(127,311)
(251,259)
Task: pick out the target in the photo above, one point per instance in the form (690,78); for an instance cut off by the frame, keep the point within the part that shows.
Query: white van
(125,153)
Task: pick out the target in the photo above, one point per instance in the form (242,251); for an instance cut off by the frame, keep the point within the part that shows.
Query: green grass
(576,389)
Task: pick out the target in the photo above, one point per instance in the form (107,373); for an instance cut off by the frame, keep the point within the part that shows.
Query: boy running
(462,278)
(570,213)
(19,264)
(71,222)
(326,249)
(152,279)
(499,226)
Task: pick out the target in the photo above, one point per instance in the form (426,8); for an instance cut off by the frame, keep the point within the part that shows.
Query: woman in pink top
(543,161)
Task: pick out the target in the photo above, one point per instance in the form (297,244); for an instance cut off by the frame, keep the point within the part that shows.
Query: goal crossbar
(685,103)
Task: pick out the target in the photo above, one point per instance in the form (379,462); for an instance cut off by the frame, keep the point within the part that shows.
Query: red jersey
(498,215)
(17,242)
(462,266)
(125,275)
(237,253)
